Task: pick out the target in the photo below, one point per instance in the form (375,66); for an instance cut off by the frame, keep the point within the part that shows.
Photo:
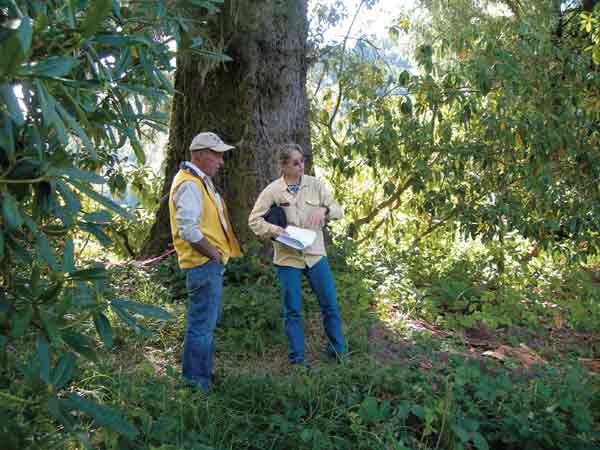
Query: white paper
(297,238)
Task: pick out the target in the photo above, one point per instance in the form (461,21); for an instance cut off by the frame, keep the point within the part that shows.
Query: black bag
(276,216)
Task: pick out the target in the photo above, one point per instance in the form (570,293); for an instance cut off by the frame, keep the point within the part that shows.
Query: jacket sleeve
(188,211)
(256,222)
(336,211)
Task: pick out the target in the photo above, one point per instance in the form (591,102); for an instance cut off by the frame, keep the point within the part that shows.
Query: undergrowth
(433,395)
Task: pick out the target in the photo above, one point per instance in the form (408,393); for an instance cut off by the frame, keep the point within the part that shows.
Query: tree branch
(357,224)
(340,84)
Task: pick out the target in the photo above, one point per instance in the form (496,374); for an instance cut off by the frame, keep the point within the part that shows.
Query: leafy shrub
(78,80)
(458,406)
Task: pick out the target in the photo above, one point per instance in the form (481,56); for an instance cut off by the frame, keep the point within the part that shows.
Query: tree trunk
(255,102)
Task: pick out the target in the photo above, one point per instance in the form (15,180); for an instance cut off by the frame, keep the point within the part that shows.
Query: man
(204,241)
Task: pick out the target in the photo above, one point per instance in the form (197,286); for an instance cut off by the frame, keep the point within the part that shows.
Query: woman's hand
(316,219)
(278,231)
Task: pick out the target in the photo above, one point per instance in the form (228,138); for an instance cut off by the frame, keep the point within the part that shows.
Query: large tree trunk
(255,102)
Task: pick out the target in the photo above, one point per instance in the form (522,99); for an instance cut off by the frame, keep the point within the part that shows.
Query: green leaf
(43,353)
(145,310)
(123,64)
(80,132)
(15,48)
(42,246)
(68,258)
(85,440)
(137,149)
(103,217)
(404,78)
(54,66)
(72,202)
(64,370)
(1,245)
(75,104)
(21,321)
(389,188)
(98,232)
(95,273)
(51,293)
(7,137)
(104,329)
(82,344)
(12,104)
(104,201)
(71,9)
(148,68)
(369,410)
(29,223)
(49,323)
(116,8)
(34,281)
(103,415)
(36,140)
(306,435)
(43,199)
(596,55)
(128,319)
(51,118)
(20,252)
(58,411)
(11,213)
(480,442)
(25,34)
(96,14)
(406,106)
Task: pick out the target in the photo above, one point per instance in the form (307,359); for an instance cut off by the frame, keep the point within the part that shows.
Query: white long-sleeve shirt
(189,204)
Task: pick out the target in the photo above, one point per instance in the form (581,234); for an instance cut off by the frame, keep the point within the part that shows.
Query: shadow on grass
(408,385)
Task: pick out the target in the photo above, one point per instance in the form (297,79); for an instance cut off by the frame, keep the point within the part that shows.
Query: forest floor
(408,384)
(397,340)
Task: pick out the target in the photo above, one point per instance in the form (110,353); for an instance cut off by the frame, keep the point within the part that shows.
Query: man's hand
(316,219)
(207,249)
(217,258)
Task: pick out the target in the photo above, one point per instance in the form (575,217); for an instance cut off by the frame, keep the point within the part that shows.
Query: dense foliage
(433,394)
(494,131)
(79,80)
(492,135)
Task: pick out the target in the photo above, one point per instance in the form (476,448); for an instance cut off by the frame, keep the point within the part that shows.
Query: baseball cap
(211,141)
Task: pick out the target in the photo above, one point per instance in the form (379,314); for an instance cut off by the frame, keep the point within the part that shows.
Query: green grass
(409,384)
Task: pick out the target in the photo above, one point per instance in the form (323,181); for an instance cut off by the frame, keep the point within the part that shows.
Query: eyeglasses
(298,162)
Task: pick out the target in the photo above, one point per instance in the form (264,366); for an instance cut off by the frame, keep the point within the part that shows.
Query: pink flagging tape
(154,259)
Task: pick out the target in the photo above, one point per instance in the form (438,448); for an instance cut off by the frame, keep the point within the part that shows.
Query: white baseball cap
(211,141)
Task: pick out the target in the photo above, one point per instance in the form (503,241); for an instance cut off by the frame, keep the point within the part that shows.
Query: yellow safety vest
(210,226)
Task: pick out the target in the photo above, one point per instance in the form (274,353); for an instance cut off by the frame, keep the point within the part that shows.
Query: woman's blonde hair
(285,153)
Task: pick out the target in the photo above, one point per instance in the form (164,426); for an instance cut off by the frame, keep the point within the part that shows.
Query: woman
(307,203)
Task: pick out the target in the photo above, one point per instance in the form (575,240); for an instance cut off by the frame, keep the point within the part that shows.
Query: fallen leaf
(593,365)
(497,354)
(558,322)
(526,355)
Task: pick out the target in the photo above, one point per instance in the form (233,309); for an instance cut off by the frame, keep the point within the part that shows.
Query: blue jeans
(321,281)
(205,288)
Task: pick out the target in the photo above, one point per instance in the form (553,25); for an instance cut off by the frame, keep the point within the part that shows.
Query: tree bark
(255,102)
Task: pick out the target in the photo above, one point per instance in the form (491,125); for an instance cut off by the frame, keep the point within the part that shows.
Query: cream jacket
(313,193)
